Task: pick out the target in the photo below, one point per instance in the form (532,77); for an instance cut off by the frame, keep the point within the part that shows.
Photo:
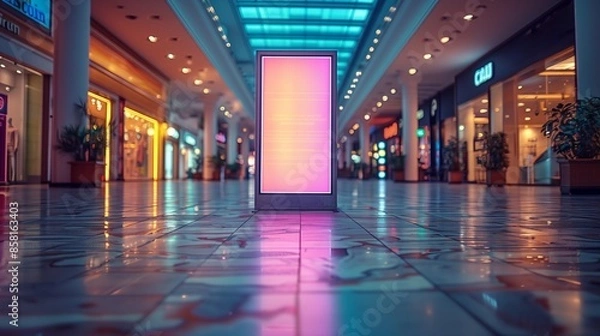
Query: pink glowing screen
(296,117)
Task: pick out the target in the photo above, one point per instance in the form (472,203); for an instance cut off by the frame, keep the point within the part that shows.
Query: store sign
(220,137)
(484,74)
(9,25)
(390,131)
(296,124)
(190,140)
(37,10)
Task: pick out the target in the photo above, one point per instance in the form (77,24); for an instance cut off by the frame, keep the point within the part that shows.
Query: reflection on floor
(191,258)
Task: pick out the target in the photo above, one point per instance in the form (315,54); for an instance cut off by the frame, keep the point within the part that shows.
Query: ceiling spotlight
(483,110)
(445,39)
(349,91)
(351,131)
(206,90)
(527,118)
(367,116)
(469,17)
(170,56)
(519,87)
(427,56)
(352,86)
(375,40)
(152,38)
(379,104)
(2,65)
(393,91)
(222,108)
(528,109)
(371,49)
(384,98)
(521,104)
(358,73)
(374,109)
(368,57)
(346,97)
(412,71)
(198,82)
(341,108)
(378,31)
(387,19)
(228,45)
(355,80)
(19,71)
(484,101)
(355,126)
(186,70)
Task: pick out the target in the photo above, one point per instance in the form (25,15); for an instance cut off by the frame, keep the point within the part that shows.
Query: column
(210,143)
(587,35)
(365,147)
(348,154)
(70,78)
(410,123)
(232,136)
(245,154)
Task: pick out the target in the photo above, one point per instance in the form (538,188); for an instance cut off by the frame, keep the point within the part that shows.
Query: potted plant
(574,132)
(217,164)
(495,158)
(197,174)
(397,163)
(451,161)
(86,145)
(233,170)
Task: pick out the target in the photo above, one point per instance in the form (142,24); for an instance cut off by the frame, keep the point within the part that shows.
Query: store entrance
(473,124)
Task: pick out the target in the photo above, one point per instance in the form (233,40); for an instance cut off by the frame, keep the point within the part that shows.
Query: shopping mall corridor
(192,258)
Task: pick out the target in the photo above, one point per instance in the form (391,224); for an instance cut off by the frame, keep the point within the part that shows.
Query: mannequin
(12,140)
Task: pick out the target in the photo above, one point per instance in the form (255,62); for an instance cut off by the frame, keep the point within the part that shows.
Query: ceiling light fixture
(519,87)
(384,98)
(374,109)
(378,31)
(371,49)
(19,71)
(484,101)
(393,91)
(346,97)
(528,109)
(427,56)
(375,40)
(483,110)
(349,91)
(527,118)
(445,39)
(2,65)
(198,82)
(358,73)
(341,108)
(170,56)
(368,57)
(469,17)
(379,104)
(186,70)
(228,45)
(206,91)
(521,104)
(152,38)
(367,116)
(412,71)
(352,86)
(355,80)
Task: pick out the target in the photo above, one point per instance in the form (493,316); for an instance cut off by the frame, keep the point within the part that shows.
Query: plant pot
(216,175)
(398,175)
(455,176)
(87,173)
(578,177)
(197,176)
(496,177)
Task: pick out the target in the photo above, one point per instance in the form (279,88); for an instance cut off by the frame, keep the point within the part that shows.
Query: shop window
(140,143)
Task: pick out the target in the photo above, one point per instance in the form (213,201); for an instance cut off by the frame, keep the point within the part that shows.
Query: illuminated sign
(220,137)
(296,123)
(390,131)
(9,25)
(190,140)
(420,132)
(38,11)
(484,74)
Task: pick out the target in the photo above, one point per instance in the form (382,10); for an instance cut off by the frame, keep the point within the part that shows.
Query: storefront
(386,143)
(25,65)
(171,154)
(511,89)
(190,154)
(100,112)
(141,146)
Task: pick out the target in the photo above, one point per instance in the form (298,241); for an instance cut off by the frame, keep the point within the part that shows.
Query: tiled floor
(191,258)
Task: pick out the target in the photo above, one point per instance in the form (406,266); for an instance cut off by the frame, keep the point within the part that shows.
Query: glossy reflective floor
(191,258)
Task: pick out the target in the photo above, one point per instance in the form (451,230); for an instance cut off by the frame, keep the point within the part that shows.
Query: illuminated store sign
(36,10)
(9,25)
(390,131)
(296,124)
(484,74)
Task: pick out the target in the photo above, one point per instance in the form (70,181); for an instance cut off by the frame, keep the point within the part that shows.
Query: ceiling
(217,39)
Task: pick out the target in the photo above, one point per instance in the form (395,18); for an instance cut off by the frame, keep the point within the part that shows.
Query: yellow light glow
(108,105)
(155,140)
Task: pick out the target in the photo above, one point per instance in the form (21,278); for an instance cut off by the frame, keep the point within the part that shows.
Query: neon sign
(484,74)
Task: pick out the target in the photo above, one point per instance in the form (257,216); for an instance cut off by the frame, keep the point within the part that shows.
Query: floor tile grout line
(145,316)
(434,285)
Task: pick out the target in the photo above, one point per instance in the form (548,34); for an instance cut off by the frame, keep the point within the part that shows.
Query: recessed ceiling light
(170,56)
(349,91)
(341,107)
(427,56)
(371,49)
(379,104)
(152,38)
(519,87)
(355,80)
(222,108)
(19,71)
(521,104)
(198,82)
(2,65)
(528,109)
(228,45)
(374,109)
(367,117)
(384,98)
(368,57)
(375,40)
(378,31)
(358,73)
(352,86)
(469,17)
(484,101)
(393,91)
(483,110)
(351,131)
(527,118)
(186,70)
(346,97)
(445,39)
(412,71)
(206,90)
